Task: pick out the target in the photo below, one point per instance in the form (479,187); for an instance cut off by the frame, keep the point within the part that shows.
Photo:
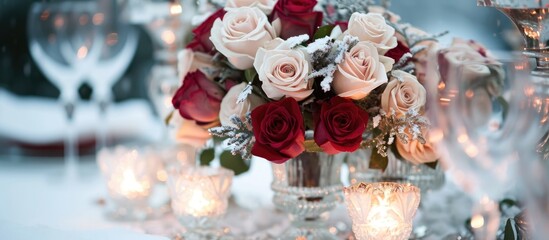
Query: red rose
(278,130)
(342,24)
(296,17)
(201,41)
(340,125)
(397,52)
(198,99)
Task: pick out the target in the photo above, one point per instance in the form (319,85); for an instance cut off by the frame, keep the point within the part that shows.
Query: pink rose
(230,107)
(362,71)
(241,32)
(283,71)
(372,27)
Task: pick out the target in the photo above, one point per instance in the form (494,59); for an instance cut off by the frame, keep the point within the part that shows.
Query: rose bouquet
(277,78)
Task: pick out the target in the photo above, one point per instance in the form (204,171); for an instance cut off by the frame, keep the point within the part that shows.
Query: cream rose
(230,107)
(372,27)
(415,152)
(402,94)
(189,61)
(241,32)
(283,71)
(361,71)
(264,5)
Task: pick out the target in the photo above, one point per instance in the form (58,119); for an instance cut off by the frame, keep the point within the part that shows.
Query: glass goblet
(62,41)
(476,111)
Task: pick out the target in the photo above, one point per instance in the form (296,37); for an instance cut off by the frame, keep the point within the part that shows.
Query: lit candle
(130,175)
(382,210)
(199,195)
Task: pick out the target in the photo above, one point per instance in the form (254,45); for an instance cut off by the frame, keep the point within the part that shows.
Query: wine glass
(476,113)
(63,42)
(120,44)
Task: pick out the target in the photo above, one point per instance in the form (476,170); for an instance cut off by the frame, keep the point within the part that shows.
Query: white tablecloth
(36,201)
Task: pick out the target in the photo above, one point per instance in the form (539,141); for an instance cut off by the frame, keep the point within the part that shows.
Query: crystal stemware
(531,19)
(63,41)
(476,113)
(120,44)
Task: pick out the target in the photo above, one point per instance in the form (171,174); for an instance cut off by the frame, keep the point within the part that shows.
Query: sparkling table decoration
(130,174)
(382,210)
(200,199)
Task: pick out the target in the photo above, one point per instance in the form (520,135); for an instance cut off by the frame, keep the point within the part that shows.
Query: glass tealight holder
(199,199)
(130,175)
(383,210)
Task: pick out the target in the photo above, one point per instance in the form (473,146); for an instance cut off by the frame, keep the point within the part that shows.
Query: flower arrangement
(277,78)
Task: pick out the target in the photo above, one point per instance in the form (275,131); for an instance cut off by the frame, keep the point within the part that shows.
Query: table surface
(37,200)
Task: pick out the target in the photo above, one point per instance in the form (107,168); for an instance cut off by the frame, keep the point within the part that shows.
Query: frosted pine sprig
(391,127)
(240,138)
(296,40)
(244,94)
(326,54)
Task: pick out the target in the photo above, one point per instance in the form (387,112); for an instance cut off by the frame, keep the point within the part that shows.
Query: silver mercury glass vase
(308,187)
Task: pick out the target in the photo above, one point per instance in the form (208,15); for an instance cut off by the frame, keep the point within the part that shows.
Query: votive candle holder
(383,210)
(130,175)
(199,199)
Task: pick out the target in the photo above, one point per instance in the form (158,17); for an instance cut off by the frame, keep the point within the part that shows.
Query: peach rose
(283,71)
(241,32)
(372,27)
(230,107)
(361,71)
(402,94)
(264,5)
(415,152)
(188,132)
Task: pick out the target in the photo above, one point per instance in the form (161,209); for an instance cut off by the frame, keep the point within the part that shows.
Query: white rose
(402,94)
(241,32)
(415,152)
(372,27)
(264,5)
(283,71)
(189,61)
(361,71)
(230,107)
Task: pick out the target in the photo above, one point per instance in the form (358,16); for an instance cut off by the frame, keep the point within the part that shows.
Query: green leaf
(218,140)
(323,31)
(233,162)
(207,156)
(250,74)
(377,161)
(168,118)
(509,232)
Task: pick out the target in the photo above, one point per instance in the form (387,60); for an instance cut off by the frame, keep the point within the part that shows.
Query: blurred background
(33,124)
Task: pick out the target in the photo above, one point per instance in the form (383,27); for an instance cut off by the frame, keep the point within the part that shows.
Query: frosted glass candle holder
(382,210)
(130,174)
(200,198)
